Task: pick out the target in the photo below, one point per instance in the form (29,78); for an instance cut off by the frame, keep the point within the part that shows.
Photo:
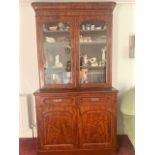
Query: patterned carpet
(28,146)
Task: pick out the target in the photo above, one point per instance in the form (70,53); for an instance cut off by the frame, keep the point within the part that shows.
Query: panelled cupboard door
(55,51)
(97,121)
(56,117)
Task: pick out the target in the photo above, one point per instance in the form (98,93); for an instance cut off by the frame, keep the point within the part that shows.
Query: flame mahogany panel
(76,121)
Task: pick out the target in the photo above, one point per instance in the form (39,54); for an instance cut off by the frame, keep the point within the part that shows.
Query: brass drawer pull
(57,100)
(94,99)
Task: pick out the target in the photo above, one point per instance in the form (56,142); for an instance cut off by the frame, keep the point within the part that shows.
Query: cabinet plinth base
(79,152)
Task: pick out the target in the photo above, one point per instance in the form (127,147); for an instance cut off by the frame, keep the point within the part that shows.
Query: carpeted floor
(28,146)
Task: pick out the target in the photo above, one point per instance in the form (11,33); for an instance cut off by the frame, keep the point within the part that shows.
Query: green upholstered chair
(128,110)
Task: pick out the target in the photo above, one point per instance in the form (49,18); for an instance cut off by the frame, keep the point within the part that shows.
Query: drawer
(97,102)
(55,103)
(60,100)
(97,98)
(55,100)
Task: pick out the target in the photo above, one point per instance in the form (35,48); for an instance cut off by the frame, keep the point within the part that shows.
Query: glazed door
(56,60)
(96,122)
(56,117)
(94,52)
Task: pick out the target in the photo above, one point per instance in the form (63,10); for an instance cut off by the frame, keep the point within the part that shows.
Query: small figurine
(103,51)
(93,62)
(84,60)
(50,40)
(84,75)
(61,26)
(57,62)
(68,66)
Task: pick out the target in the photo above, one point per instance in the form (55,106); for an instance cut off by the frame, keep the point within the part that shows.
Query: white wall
(123,66)
(29,80)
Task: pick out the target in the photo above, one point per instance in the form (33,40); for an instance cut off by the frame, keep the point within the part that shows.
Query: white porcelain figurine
(57,62)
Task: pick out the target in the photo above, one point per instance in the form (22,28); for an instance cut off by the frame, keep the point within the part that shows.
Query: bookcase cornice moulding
(28,2)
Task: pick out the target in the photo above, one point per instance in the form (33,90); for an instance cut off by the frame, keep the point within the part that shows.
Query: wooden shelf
(56,31)
(92,31)
(92,68)
(56,44)
(55,68)
(93,42)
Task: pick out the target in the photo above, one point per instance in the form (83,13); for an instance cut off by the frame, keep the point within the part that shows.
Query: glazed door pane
(57,53)
(93,48)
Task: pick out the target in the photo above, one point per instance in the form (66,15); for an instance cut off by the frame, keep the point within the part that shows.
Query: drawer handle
(94,99)
(57,100)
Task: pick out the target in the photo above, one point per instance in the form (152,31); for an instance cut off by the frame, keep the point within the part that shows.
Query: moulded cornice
(28,2)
